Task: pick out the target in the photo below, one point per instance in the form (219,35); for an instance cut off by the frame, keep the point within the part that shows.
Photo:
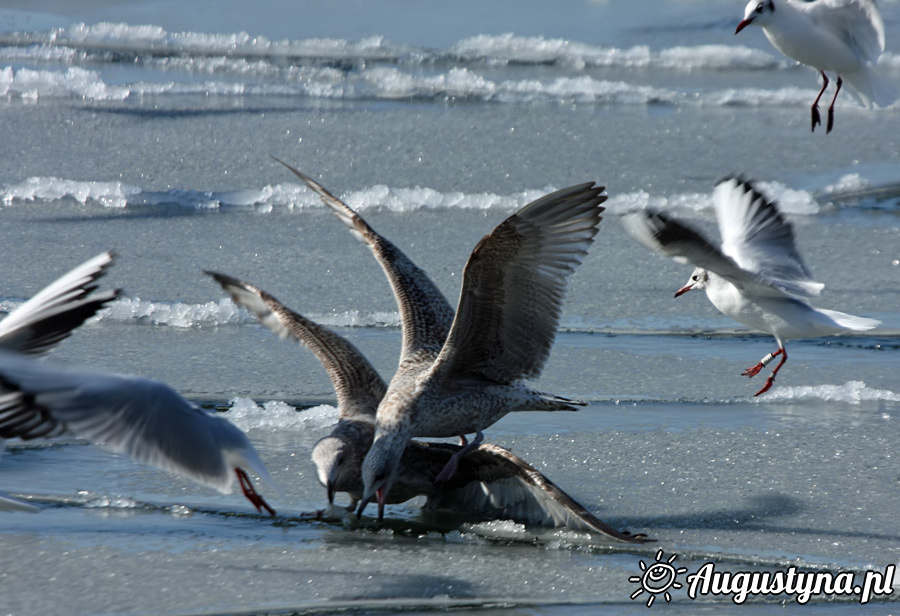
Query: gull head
(699,280)
(379,470)
(758,12)
(337,464)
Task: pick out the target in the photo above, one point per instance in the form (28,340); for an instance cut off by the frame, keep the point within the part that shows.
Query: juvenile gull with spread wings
(490,481)
(510,303)
(757,277)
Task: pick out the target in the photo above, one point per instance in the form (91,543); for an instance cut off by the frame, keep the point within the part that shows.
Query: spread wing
(671,238)
(856,22)
(514,285)
(144,419)
(425,313)
(759,239)
(358,385)
(51,315)
(493,482)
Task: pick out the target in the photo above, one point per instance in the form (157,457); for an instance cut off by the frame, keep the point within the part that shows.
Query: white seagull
(144,419)
(757,276)
(491,482)
(841,36)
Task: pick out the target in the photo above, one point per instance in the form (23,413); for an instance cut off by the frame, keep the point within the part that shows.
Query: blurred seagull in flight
(50,316)
(142,418)
(145,419)
(841,36)
(757,276)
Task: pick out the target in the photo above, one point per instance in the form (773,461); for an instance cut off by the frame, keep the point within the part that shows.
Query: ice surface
(147,127)
(275,414)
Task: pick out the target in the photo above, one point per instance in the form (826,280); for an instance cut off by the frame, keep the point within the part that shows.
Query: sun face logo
(657,579)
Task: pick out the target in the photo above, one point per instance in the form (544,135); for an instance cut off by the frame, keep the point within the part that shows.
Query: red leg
(816,119)
(250,492)
(771,378)
(752,372)
(830,125)
(450,468)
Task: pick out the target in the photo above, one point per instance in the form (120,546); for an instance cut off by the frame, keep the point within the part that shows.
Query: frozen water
(147,127)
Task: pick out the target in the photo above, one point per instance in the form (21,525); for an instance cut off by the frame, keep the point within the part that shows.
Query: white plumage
(757,277)
(845,37)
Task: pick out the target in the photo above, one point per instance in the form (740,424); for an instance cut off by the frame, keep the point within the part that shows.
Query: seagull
(509,309)
(145,419)
(49,317)
(841,36)
(490,482)
(757,277)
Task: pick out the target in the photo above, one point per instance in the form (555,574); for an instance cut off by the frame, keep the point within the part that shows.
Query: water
(148,128)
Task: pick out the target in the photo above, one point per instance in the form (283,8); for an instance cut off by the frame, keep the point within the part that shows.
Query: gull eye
(760,7)
(695,278)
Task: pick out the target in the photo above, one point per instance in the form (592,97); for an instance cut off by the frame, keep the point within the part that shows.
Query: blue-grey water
(148,128)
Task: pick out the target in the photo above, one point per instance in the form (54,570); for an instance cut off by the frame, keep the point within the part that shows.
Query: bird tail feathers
(871,87)
(849,321)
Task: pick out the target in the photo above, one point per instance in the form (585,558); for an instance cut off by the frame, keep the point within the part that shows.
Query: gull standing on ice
(509,308)
(757,277)
(490,482)
(841,36)
(50,316)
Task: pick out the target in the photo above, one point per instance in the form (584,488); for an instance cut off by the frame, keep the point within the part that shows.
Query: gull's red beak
(684,290)
(743,25)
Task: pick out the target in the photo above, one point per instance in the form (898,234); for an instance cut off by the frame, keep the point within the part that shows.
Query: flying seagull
(756,277)
(841,36)
(144,419)
(49,317)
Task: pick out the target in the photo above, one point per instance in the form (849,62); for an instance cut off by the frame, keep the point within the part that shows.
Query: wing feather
(144,419)
(492,481)
(514,285)
(856,22)
(759,239)
(425,314)
(51,315)
(358,385)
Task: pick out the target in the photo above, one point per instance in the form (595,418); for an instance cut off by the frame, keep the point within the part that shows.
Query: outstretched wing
(514,285)
(51,315)
(671,238)
(358,385)
(144,419)
(492,481)
(425,314)
(759,239)
(856,22)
